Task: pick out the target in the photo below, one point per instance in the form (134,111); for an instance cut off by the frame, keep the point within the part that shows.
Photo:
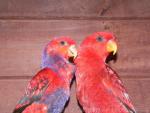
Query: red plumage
(45,81)
(99,89)
(49,90)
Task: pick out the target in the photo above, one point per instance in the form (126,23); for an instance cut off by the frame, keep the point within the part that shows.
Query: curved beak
(72,51)
(111,46)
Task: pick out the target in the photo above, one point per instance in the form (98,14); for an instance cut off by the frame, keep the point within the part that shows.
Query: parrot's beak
(72,51)
(112,47)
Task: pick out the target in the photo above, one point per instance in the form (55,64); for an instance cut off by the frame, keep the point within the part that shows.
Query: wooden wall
(27,25)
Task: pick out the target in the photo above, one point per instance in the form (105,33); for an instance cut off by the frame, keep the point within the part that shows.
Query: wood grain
(21,44)
(27,25)
(43,9)
(13,89)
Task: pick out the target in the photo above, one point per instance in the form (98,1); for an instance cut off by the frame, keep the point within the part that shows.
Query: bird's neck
(58,64)
(53,61)
(90,54)
(89,60)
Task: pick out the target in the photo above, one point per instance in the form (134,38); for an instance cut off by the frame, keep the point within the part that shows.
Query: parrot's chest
(89,87)
(95,98)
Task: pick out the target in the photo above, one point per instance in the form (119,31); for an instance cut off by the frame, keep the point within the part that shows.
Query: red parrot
(49,90)
(99,89)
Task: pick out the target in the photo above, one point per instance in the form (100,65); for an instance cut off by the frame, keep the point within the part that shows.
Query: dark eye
(63,43)
(100,39)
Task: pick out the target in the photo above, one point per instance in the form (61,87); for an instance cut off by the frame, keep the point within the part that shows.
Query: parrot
(99,88)
(49,90)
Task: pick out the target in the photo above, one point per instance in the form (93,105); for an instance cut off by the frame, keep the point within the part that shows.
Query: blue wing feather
(55,101)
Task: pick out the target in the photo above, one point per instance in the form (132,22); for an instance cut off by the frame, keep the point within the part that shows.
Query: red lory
(99,88)
(49,90)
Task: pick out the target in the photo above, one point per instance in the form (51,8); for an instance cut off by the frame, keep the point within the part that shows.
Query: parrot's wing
(113,83)
(36,88)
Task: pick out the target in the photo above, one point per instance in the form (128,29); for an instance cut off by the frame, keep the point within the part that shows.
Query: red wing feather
(36,88)
(114,84)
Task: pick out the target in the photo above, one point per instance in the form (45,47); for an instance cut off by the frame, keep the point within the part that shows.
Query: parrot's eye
(100,39)
(63,43)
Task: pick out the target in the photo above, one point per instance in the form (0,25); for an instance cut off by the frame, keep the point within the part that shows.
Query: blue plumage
(49,90)
(55,101)
(53,61)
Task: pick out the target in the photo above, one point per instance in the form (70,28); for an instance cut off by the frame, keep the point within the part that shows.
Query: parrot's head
(63,46)
(103,43)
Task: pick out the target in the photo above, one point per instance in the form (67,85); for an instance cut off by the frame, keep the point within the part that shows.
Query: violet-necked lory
(49,90)
(99,89)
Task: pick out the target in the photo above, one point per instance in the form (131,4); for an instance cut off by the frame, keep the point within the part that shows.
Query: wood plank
(11,92)
(13,89)
(44,9)
(21,43)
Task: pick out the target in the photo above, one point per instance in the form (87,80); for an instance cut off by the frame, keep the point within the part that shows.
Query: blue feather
(55,101)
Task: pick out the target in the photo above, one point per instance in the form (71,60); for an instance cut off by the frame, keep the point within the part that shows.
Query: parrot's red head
(64,46)
(102,42)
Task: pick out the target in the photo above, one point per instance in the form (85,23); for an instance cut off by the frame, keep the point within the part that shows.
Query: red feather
(99,89)
(45,81)
(49,90)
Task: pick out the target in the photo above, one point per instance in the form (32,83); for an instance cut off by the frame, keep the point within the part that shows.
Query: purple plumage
(49,89)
